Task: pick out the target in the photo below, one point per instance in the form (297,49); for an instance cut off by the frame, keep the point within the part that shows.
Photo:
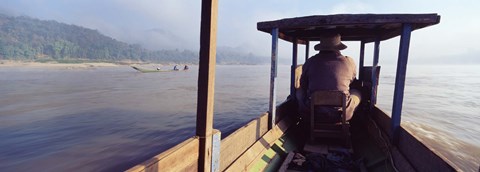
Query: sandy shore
(7,63)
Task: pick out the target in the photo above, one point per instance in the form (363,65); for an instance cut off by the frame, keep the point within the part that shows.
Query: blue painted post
(273,80)
(216,140)
(307,49)
(400,81)
(292,70)
(376,53)
(362,60)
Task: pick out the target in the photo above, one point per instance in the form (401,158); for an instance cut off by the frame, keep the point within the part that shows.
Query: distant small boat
(143,70)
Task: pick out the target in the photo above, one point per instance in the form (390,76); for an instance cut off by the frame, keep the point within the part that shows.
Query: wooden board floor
(363,149)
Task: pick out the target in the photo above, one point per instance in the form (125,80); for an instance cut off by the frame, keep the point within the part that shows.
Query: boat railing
(420,156)
(239,150)
(182,157)
(240,140)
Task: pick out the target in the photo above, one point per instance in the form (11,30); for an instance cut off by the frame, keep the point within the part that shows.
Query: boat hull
(255,148)
(143,70)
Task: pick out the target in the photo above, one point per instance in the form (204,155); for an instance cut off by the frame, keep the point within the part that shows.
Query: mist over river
(112,118)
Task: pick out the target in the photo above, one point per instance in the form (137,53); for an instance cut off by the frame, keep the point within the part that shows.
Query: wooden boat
(266,143)
(144,70)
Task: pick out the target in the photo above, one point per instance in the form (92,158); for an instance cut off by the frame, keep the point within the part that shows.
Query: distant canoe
(143,70)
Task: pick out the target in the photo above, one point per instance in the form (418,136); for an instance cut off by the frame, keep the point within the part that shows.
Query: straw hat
(332,42)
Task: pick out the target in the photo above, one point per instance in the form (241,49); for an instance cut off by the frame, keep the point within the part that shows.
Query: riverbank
(10,63)
(83,65)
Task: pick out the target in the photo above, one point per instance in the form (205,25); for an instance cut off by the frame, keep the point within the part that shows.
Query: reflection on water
(109,119)
(89,120)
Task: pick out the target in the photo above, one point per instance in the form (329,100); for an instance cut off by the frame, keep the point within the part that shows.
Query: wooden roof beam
(290,39)
(348,19)
(352,27)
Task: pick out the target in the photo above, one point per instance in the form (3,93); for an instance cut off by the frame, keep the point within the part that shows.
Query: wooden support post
(206,82)
(293,67)
(376,54)
(273,80)
(307,50)
(400,81)
(362,60)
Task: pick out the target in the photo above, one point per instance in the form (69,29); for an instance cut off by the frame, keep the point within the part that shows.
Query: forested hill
(25,38)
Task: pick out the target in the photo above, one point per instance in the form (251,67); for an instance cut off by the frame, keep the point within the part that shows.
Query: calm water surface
(109,119)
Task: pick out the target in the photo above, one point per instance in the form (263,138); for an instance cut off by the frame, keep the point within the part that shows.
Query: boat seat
(336,102)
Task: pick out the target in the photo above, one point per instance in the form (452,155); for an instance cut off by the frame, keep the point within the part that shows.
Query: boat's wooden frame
(244,148)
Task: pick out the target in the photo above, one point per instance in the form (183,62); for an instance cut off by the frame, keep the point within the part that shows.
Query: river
(111,118)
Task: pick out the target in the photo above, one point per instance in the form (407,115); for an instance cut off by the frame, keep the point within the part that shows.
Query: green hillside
(25,38)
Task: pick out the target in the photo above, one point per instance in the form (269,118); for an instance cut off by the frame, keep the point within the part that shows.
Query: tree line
(25,38)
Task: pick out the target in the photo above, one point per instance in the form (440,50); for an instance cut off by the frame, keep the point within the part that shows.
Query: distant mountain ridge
(25,38)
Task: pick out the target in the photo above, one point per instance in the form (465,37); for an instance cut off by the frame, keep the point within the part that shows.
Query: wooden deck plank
(255,152)
(287,161)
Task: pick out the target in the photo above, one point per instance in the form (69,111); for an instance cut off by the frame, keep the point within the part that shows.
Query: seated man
(328,70)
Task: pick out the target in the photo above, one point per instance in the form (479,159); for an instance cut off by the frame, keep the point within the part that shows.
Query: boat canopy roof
(352,27)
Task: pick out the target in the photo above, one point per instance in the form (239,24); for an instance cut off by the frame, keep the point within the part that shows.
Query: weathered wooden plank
(206,82)
(348,34)
(401,163)
(382,120)
(420,156)
(287,109)
(239,141)
(348,19)
(255,152)
(290,39)
(410,148)
(287,161)
(182,157)
(279,131)
(352,27)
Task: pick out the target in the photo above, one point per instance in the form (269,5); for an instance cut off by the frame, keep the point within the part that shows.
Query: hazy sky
(169,24)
